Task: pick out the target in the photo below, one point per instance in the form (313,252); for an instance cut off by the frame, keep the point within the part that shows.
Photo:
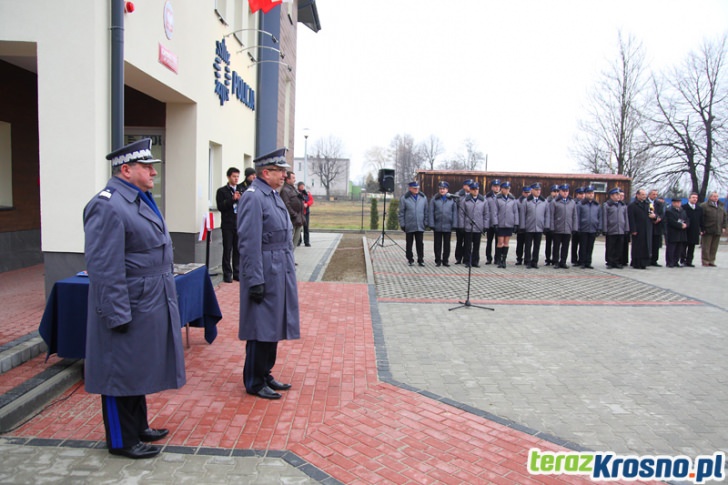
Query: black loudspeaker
(386,180)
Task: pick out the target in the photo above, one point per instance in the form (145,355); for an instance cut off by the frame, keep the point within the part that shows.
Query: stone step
(23,401)
(20,350)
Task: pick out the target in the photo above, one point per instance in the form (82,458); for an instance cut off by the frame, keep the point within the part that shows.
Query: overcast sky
(513,75)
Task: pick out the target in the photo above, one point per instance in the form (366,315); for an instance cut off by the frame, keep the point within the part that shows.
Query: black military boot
(504,256)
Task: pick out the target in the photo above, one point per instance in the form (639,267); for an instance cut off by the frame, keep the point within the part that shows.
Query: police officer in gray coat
(268,289)
(443,218)
(459,232)
(412,220)
(564,222)
(615,225)
(535,218)
(133,335)
(590,224)
(506,221)
(474,218)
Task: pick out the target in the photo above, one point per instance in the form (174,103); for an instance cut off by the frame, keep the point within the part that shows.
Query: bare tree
(612,139)
(689,120)
(376,158)
(430,149)
(471,158)
(326,162)
(406,159)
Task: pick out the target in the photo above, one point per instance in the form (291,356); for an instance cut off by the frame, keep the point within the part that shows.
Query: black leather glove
(546,230)
(485,231)
(402,227)
(515,228)
(256,293)
(598,233)
(120,328)
(495,227)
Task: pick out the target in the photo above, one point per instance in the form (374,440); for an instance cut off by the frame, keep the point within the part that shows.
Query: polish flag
(264,5)
(208,224)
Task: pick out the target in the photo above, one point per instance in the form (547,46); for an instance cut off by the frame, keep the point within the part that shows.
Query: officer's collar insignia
(251,189)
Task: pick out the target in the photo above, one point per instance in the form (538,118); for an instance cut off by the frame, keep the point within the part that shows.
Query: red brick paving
(338,416)
(23,302)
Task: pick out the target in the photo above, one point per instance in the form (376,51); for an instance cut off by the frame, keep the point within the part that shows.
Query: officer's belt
(151,271)
(275,246)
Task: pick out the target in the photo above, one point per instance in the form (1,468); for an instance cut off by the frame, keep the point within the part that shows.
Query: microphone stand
(381,237)
(469,242)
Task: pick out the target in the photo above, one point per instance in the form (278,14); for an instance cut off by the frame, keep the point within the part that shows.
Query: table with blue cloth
(63,326)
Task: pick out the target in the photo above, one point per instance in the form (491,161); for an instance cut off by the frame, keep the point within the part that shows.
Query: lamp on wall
(272,37)
(280,52)
(290,69)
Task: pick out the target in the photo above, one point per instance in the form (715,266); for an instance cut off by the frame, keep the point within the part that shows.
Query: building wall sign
(225,79)
(168,58)
(168,16)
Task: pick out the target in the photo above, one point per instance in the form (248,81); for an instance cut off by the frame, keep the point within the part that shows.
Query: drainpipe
(117,74)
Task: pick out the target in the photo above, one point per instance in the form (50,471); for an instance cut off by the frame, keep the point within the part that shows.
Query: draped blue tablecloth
(63,326)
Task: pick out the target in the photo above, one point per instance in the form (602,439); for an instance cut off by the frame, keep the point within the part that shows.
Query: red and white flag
(208,224)
(264,5)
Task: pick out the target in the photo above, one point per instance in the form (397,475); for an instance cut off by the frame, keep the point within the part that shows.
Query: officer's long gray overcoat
(266,257)
(413,212)
(129,262)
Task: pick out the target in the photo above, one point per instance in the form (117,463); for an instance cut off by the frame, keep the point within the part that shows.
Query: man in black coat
(640,227)
(676,222)
(227,198)
(694,213)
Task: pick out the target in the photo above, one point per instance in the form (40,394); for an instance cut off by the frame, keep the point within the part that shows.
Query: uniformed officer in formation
(535,219)
(564,222)
(490,199)
(506,222)
(521,234)
(474,218)
(133,336)
(579,194)
(615,225)
(590,224)
(548,259)
(412,220)
(459,233)
(442,219)
(268,290)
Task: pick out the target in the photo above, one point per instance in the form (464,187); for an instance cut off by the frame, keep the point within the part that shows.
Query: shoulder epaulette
(106,193)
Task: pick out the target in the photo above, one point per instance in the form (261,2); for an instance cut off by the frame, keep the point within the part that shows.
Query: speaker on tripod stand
(386,185)
(386,180)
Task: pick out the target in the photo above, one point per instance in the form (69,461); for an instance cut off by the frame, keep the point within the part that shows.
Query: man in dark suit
(694,214)
(676,222)
(227,203)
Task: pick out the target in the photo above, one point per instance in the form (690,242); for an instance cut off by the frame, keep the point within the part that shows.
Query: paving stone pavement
(637,363)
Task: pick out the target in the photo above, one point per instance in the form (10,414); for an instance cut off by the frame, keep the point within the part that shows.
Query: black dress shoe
(278,386)
(150,434)
(489,262)
(656,264)
(236,278)
(227,279)
(447,265)
(139,450)
(266,393)
(689,265)
(411,263)
(437,264)
(420,263)
(588,266)
(308,245)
